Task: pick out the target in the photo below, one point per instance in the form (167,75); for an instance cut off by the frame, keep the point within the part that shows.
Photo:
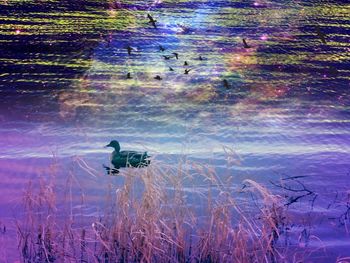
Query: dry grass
(152,219)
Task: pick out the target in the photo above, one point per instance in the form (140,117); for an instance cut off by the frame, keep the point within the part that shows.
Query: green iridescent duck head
(114,144)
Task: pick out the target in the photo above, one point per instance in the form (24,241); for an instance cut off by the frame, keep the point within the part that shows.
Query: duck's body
(127,158)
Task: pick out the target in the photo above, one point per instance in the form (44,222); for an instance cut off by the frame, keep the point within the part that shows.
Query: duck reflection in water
(121,159)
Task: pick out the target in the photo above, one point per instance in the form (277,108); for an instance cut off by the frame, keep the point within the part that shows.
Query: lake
(275,109)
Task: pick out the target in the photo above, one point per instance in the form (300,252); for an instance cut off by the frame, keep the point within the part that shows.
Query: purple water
(285,114)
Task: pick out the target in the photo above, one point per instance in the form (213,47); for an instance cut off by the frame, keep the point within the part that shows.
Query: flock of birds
(175,55)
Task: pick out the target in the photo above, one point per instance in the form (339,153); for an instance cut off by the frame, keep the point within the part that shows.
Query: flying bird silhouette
(171,69)
(129,49)
(321,35)
(157,77)
(128,76)
(185,63)
(161,48)
(187,71)
(176,55)
(245,44)
(152,20)
(226,84)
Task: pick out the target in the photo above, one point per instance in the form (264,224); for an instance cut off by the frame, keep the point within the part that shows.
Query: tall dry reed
(161,214)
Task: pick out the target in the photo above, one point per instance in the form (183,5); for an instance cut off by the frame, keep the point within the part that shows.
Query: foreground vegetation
(155,217)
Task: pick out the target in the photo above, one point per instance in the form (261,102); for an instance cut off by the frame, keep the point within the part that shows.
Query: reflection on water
(64,89)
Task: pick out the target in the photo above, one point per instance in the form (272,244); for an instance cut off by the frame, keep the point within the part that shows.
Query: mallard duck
(127,158)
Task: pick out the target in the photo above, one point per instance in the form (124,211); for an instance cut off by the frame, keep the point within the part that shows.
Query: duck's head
(114,144)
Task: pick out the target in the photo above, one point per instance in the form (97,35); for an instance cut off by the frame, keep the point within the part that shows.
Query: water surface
(65,94)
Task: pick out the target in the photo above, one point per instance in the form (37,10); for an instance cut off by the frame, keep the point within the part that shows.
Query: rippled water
(64,93)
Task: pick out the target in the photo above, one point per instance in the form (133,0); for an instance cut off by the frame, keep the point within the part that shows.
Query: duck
(127,158)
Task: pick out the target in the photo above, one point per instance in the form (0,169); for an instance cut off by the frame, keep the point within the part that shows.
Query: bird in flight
(176,55)
(157,77)
(128,76)
(245,43)
(152,20)
(129,49)
(187,71)
(226,84)
(321,35)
